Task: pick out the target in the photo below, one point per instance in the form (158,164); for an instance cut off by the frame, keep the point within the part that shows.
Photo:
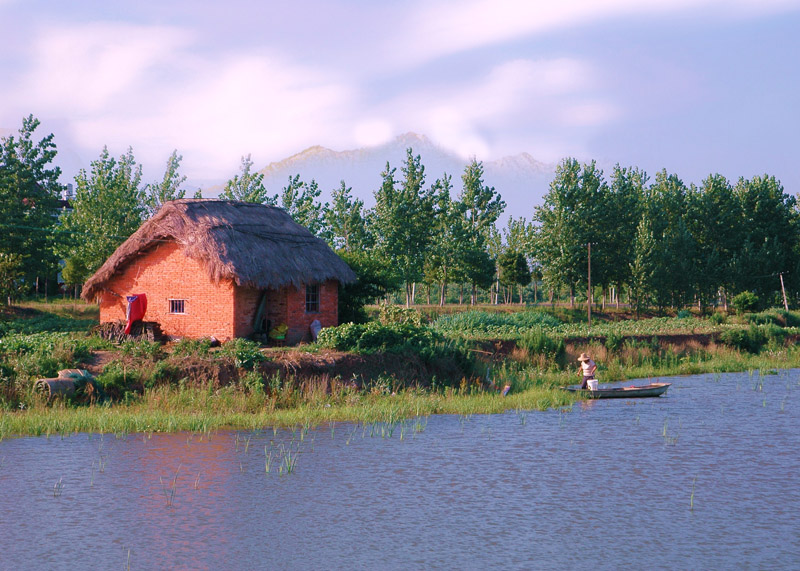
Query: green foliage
(397,338)
(74,271)
(777,316)
(29,190)
(300,200)
(141,349)
(684,314)
(575,212)
(253,382)
(513,268)
(115,380)
(12,271)
(717,318)
(482,323)
(45,322)
(372,337)
(107,208)
(24,358)
(391,314)
(244,353)
(345,221)
(614,342)
(745,302)
(170,186)
(248,186)
(192,347)
(403,220)
(374,280)
(536,341)
(754,337)
(643,268)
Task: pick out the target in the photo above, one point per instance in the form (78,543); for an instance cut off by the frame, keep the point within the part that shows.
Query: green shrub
(614,342)
(537,342)
(141,349)
(400,338)
(253,382)
(745,302)
(684,314)
(717,318)
(192,347)
(244,353)
(397,315)
(494,323)
(114,381)
(754,337)
(45,323)
(775,316)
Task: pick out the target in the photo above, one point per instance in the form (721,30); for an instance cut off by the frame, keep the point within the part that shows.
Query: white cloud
(88,68)
(152,88)
(445,27)
(531,96)
(371,132)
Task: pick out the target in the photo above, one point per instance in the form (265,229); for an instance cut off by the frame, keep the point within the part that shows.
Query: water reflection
(703,477)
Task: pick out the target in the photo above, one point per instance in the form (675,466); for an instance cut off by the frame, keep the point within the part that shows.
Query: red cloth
(137,306)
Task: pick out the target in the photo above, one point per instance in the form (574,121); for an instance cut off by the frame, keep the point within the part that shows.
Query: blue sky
(696,87)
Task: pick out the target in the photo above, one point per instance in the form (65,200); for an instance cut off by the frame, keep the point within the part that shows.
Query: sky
(692,86)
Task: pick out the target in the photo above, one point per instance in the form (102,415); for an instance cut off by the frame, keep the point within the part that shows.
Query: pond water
(704,477)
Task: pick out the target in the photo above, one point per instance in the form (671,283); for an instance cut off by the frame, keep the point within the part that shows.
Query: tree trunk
(473,299)
(429,294)
(571,297)
(461,294)
(442,293)
(521,290)
(535,293)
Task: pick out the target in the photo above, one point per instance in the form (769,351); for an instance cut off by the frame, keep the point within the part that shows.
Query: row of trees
(670,244)
(661,242)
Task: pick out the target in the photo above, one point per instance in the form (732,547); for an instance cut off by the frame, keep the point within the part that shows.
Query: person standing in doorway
(588,367)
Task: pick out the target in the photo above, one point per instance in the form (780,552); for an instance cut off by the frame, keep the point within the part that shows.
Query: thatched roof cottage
(224,269)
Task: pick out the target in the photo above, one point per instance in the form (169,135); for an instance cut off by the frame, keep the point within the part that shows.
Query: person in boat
(588,367)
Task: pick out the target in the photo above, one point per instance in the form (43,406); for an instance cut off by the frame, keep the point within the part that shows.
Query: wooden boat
(651,390)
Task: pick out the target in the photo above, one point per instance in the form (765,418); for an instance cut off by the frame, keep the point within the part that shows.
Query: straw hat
(584,357)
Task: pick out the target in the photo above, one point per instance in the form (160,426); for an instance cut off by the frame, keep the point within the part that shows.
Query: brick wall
(164,273)
(247,300)
(223,310)
(297,318)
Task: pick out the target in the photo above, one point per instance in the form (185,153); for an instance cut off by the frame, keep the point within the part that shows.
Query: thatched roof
(255,245)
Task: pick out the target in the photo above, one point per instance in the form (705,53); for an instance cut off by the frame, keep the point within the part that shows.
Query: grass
(151,392)
(195,410)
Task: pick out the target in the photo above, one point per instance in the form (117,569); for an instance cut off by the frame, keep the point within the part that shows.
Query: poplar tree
(403,218)
(344,217)
(107,208)
(170,186)
(29,191)
(300,200)
(643,267)
(481,205)
(248,186)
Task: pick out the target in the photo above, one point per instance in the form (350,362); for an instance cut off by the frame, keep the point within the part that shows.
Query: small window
(312,298)
(177,306)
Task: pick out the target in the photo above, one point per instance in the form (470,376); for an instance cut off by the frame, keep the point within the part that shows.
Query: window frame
(313,296)
(174,303)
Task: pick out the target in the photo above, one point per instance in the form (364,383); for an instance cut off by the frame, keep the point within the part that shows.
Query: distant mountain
(521,180)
